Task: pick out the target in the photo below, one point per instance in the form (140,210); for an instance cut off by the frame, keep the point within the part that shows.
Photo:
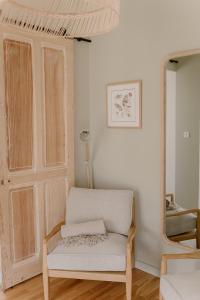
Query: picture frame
(124,104)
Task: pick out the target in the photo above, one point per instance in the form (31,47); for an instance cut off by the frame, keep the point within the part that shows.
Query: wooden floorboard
(145,286)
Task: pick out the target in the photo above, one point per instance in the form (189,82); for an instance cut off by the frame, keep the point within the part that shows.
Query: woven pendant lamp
(65,18)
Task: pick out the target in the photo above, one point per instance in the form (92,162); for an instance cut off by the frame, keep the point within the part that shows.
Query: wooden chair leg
(133,256)
(198,240)
(129,285)
(198,231)
(45,272)
(46,285)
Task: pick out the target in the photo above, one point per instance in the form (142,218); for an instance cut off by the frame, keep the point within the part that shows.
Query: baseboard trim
(147,268)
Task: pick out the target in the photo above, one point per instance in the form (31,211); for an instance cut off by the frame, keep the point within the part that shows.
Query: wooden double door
(36,147)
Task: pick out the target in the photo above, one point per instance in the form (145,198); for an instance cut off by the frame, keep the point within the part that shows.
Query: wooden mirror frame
(164,62)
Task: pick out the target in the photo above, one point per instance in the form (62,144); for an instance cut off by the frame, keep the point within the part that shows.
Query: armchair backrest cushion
(115,207)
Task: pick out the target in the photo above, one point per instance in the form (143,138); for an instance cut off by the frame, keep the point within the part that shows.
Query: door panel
(37,147)
(23,223)
(55,206)
(55,210)
(22,231)
(54,106)
(19,93)
(26,230)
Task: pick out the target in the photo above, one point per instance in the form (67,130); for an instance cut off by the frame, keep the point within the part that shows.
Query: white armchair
(184,286)
(110,260)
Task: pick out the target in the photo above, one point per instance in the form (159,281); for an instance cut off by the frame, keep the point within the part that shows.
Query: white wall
(128,158)
(170,131)
(187,120)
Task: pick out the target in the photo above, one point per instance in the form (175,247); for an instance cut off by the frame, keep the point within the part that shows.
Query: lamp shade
(65,18)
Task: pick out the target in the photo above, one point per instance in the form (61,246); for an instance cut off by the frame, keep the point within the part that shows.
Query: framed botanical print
(124,104)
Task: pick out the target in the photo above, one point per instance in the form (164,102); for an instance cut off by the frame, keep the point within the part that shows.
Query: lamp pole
(85,138)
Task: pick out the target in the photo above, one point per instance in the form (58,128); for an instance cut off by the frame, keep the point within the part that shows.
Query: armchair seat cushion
(181,286)
(108,255)
(180,224)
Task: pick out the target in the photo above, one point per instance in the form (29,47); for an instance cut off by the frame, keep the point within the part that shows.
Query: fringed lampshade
(66,18)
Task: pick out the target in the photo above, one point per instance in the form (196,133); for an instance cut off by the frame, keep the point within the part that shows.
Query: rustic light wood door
(36,148)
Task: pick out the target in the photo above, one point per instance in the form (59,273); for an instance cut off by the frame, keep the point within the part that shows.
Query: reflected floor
(190,243)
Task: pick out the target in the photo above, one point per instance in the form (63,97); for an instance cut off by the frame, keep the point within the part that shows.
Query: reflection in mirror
(182,197)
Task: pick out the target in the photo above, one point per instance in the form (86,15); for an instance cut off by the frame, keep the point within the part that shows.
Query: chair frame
(125,276)
(167,257)
(195,234)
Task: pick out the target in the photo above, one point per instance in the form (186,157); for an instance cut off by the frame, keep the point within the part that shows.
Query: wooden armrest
(166,257)
(131,236)
(191,255)
(55,230)
(129,249)
(185,212)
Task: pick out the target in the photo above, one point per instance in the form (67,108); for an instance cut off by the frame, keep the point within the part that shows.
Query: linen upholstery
(86,228)
(181,286)
(109,255)
(180,224)
(113,206)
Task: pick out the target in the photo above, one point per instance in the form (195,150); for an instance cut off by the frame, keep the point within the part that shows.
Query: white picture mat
(124,104)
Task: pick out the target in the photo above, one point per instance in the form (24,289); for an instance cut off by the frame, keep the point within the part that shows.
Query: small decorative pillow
(170,205)
(86,228)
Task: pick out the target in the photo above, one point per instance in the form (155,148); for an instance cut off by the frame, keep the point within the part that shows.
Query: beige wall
(128,158)
(187,119)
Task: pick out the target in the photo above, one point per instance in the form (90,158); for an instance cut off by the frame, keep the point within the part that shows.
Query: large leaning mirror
(182,150)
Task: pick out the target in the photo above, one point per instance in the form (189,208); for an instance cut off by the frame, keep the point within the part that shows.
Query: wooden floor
(145,286)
